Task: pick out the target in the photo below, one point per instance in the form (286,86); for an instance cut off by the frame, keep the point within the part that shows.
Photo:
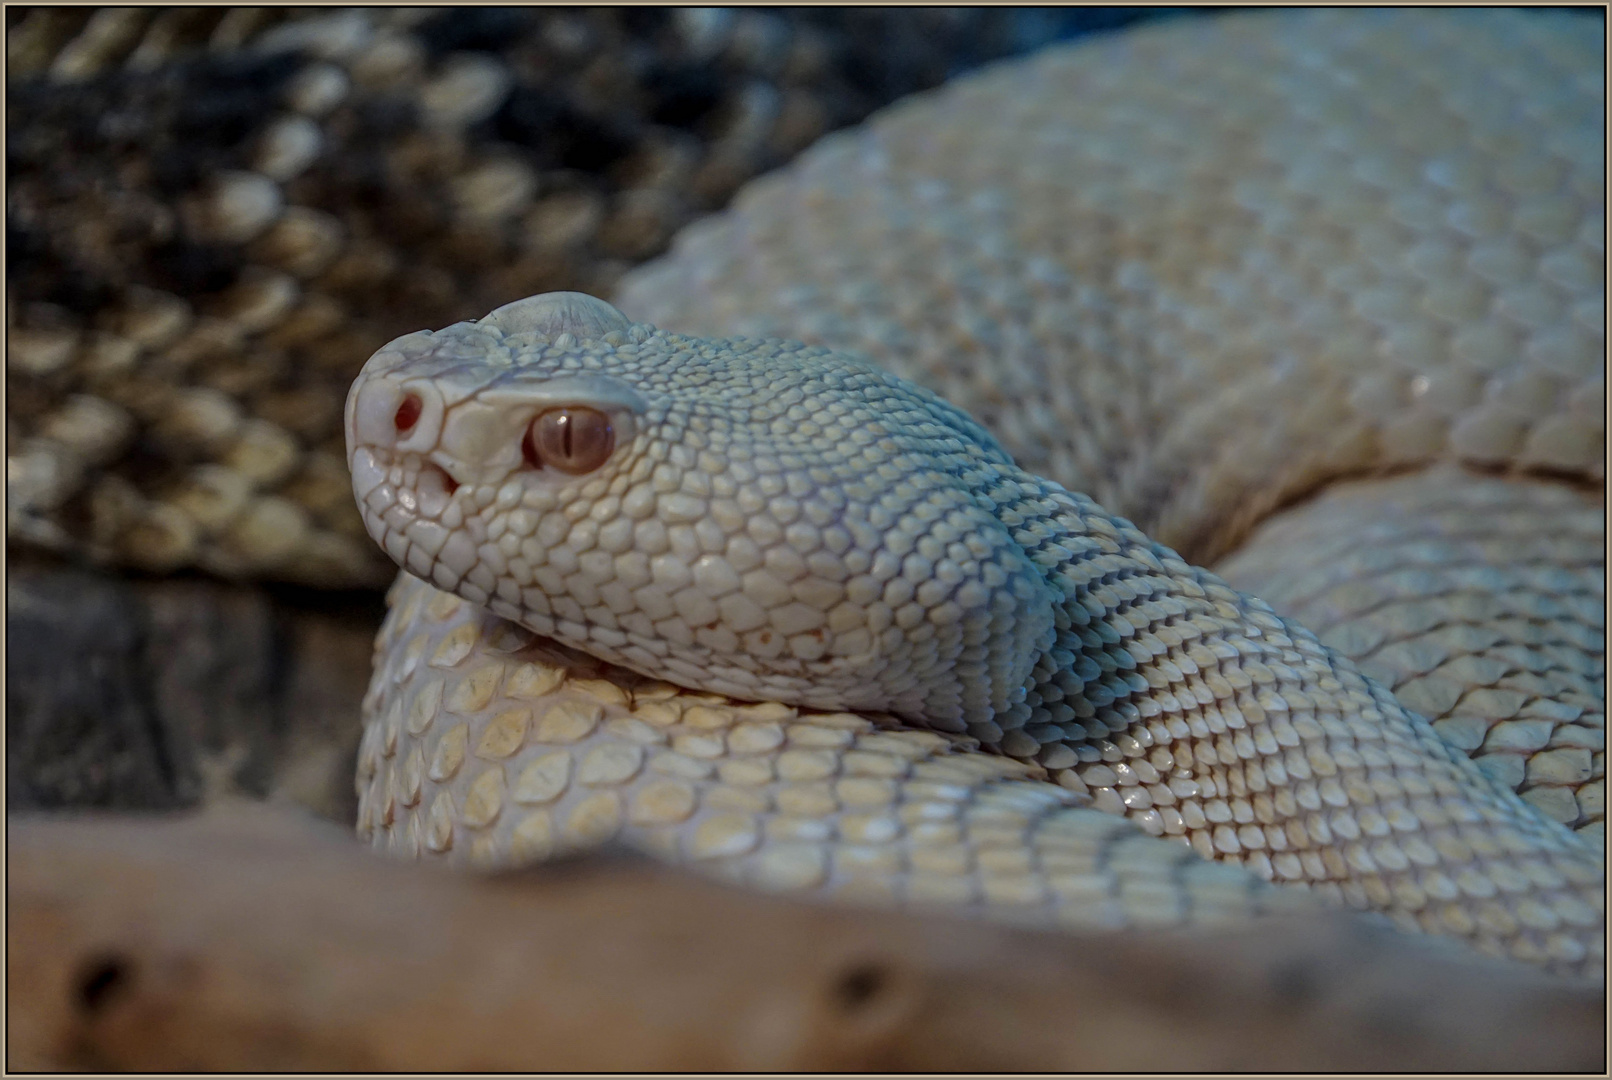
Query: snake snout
(396,415)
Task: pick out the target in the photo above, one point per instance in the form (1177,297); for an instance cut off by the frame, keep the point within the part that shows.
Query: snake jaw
(409,505)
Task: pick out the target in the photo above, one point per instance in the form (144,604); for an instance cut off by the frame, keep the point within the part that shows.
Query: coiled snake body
(786,599)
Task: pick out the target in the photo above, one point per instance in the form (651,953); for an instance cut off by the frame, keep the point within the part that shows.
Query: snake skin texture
(1388,258)
(1445,589)
(505,747)
(1196,271)
(787,523)
(214,214)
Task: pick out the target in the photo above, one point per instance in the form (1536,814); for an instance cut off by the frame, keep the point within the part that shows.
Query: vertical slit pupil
(573,440)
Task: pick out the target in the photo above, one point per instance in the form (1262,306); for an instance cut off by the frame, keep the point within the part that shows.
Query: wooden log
(253,938)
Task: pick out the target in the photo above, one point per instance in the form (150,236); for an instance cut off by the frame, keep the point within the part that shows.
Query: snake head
(442,424)
(756,518)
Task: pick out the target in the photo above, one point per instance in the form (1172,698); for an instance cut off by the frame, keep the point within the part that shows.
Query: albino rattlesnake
(1197,271)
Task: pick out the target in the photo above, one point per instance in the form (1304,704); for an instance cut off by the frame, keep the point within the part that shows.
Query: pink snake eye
(574,439)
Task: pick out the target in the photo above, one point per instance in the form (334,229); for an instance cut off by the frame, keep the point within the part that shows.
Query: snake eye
(573,439)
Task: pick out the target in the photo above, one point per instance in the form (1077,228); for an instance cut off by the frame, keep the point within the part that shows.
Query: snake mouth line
(409,508)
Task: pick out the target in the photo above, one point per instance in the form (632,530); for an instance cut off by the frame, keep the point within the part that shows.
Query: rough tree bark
(251,938)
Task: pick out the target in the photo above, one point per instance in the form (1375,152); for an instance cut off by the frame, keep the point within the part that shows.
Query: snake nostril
(408,413)
(441,476)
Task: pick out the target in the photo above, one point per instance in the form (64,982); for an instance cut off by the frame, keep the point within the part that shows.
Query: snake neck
(1170,681)
(1130,618)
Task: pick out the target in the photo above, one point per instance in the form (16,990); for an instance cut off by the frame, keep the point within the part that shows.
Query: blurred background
(214,216)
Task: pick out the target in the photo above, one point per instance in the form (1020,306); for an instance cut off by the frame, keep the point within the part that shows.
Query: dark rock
(81,729)
(145,695)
